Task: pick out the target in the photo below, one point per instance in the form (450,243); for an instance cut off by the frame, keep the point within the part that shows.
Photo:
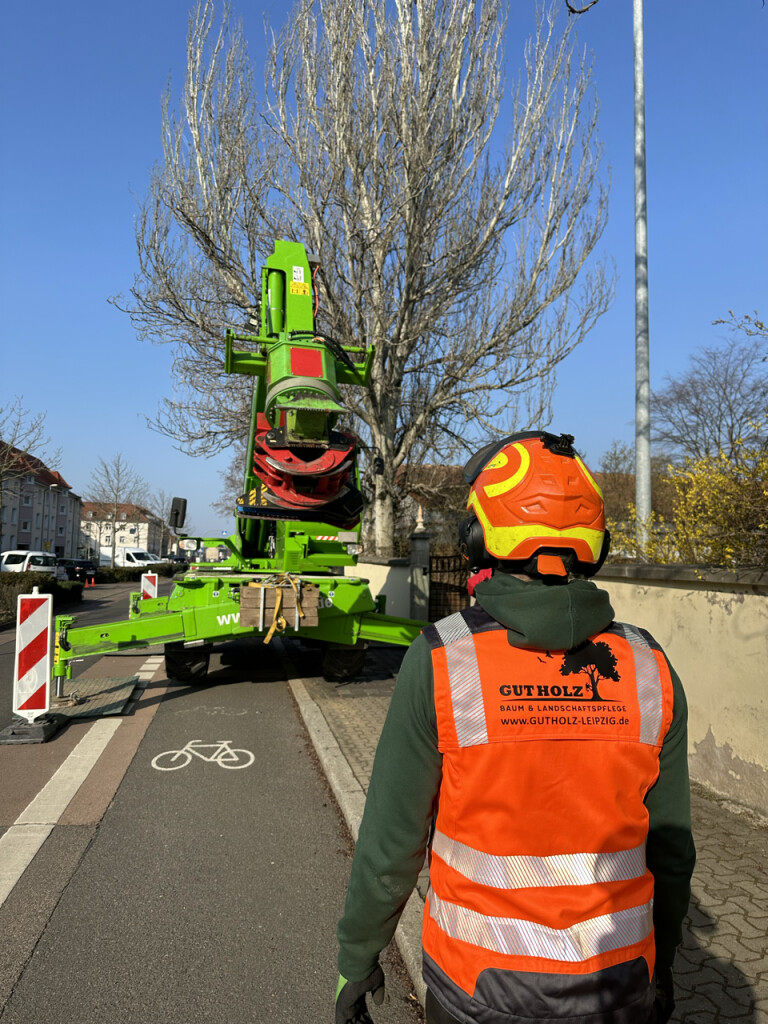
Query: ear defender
(472,544)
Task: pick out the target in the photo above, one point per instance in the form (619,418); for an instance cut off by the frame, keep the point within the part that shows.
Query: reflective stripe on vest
(511,936)
(522,872)
(648,681)
(464,676)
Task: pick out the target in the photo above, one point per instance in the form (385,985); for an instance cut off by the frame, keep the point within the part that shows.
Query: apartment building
(106,528)
(38,509)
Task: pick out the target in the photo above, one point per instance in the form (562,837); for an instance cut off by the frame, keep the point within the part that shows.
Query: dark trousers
(436,1013)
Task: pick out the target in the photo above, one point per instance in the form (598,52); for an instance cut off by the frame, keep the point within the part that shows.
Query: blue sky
(80,88)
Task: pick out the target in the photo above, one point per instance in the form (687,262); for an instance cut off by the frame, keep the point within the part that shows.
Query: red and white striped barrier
(32,668)
(148,585)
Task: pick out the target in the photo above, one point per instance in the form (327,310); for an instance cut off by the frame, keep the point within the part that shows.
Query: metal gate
(448,577)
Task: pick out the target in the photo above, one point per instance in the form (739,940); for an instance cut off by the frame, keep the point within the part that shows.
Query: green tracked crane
(297,522)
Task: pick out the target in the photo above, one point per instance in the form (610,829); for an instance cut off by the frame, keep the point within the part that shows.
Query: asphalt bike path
(205,887)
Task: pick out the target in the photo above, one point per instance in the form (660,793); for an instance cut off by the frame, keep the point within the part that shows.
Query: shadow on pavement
(707,987)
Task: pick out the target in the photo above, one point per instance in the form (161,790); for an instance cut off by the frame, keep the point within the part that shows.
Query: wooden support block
(251,605)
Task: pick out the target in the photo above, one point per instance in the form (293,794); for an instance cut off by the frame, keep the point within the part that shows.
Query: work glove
(350,997)
(665,997)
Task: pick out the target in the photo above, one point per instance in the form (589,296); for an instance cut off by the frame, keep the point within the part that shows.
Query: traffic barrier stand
(148,585)
(32,671)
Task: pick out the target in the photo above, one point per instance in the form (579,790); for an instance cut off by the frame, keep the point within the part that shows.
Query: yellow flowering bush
(719,515)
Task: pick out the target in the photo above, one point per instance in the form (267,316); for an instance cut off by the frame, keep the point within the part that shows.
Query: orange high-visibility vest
(540,901)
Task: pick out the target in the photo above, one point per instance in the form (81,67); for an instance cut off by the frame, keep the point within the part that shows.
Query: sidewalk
(721,971)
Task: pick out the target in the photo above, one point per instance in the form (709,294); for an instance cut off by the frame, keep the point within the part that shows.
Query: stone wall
(714,628)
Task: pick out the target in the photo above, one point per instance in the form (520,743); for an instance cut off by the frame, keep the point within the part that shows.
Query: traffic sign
(32,666)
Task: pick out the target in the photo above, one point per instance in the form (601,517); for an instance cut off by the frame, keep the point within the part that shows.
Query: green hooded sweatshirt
(407,769)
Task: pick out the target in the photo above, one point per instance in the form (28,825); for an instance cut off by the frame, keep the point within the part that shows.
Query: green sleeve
(670,851)
(398,816)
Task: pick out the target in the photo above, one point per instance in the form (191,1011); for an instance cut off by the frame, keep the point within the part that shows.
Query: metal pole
(642,347)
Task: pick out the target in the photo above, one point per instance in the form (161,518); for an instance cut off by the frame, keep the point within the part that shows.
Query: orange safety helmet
(535,507)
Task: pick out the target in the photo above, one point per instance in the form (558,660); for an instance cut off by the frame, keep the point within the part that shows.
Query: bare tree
(22,438)
(115,484)
(617,482)
(720,401)
(749,325)
(374,144)
(160,503)
(232,480)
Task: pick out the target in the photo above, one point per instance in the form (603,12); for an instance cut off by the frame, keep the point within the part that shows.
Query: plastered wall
(393,581)
(716,636)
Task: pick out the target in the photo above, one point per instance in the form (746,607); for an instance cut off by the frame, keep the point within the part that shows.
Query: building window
(14,512)
(62,507)
(27,499)
(37,519)
(25,525)
(61,531)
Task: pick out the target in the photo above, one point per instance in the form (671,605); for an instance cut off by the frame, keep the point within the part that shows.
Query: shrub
(12,584)
(118,574)
(719,515)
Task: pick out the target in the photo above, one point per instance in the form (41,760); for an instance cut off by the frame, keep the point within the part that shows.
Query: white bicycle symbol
(224,755)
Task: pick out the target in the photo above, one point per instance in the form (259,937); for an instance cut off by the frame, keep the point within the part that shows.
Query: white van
(32,561)
(134,558)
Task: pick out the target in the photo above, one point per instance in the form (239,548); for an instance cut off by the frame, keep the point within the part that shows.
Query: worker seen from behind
(536,748)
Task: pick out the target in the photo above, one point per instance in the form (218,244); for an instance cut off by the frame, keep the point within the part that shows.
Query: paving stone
(741,924)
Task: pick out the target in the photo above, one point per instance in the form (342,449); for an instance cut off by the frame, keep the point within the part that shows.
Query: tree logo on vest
(594,660)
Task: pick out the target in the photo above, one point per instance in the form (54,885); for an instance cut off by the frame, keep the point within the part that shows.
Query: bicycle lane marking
(224,755)
(54,803)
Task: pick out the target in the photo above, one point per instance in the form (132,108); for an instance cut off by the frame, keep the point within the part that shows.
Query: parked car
(32,561)
(79,569)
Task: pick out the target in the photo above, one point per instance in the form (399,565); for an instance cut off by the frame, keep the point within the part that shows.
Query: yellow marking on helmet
(494,490)
(499,460)
(501,541)
(589,477)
